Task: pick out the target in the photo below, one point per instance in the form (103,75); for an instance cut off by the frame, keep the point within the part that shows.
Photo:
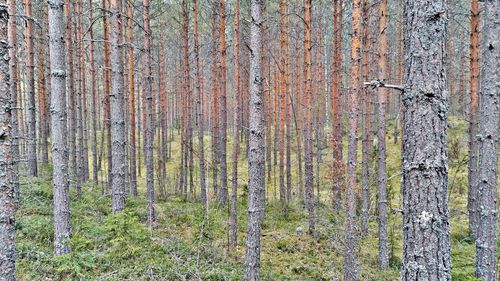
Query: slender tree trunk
(215,103)
(70,91)
(199,101)
(383,251)
(426,235)
(32,169)
(149,131)
(107,90)
(486,242)
(309,177)
(78,100)
(282,90)
(351,271)
(223,194)
(60,177)
(117,111)
(131,81)
(83,74)
(236,122)
(472,205)
(42,96)
(366,138)
(93,81)
(7,166)
(256,151)
(14,122)
(337,105)
(288,104)
(298,115)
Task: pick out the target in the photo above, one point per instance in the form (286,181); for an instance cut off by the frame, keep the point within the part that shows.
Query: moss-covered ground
(187,245)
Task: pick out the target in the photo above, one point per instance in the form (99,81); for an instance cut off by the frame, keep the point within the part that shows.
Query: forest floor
(187,245)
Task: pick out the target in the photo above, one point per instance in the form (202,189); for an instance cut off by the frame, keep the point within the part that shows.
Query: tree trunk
(215,102)
(199,101)
(256,151)
(472,205)
(309,176)
(486,242)
(236,122)
(351,271)
(383,251)
(117,111)
(149,131)
(426,232)
(7,167)
(366,138)
(107,90)
(131,81)
(70,90)
(337,106)
(14,122)
(282,90)
(223,193)
(32,169)
(42,96)
(95,102)
(60,178)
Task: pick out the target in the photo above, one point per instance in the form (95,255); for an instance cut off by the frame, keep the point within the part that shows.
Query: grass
(186,245)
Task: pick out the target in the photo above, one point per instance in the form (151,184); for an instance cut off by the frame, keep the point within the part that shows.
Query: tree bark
(14,122)
(131,77)
(337,106)
(383,251)
(426,232)
(7,167)
(472,205)
(117,111)
(308,165)
(256,158)
(149,130)
(32,169)
(93,81)
(60,177)
(486,242)
(236,122)
(351,271)
(223,193)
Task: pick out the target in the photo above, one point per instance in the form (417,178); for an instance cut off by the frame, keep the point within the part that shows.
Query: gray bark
(383,249)
(70,91)
(119,161)
(7,167)
(58,115)
(149,132)
(426,232)
(199,97)
(486,239)
(30,99)
(256,153)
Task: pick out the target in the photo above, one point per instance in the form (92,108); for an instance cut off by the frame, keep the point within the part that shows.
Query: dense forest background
(248,140)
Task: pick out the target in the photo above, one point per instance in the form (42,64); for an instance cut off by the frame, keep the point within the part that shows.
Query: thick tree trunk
(60,178)
(472,205)
(309,176)
(256,151)
(32,169)
(107,91)
(486,242)
(7,167)
(426,232)
(117,111)
(351,271)
(236,122)
(383,251)
(149,131)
